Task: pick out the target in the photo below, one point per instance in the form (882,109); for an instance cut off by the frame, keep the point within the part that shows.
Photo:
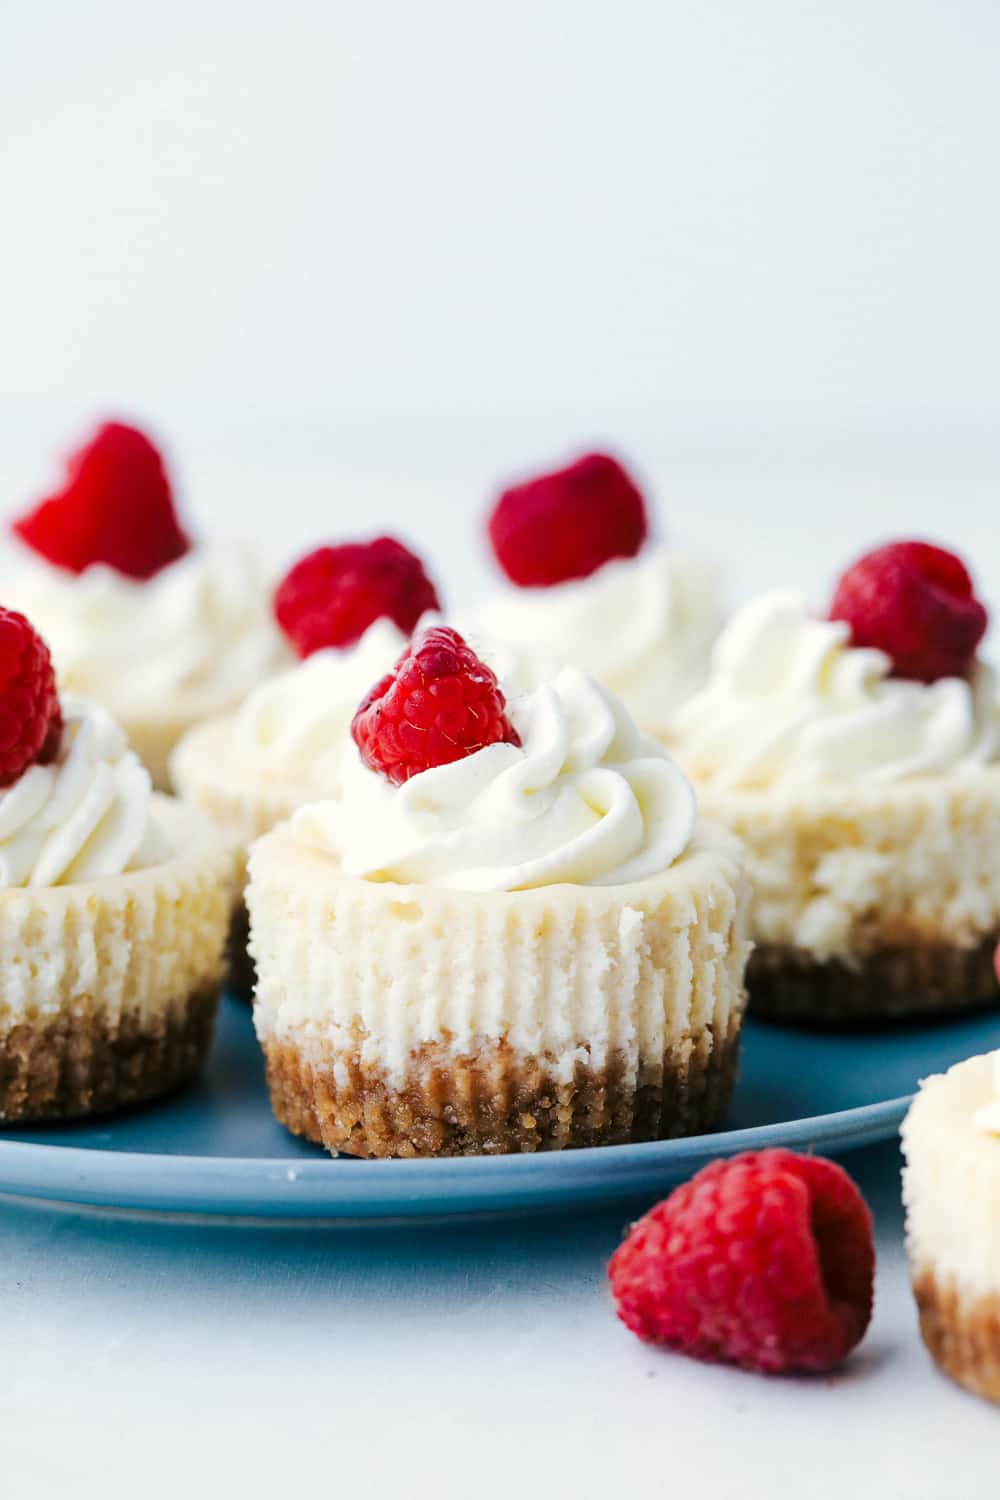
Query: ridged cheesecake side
(109,987)
(870,901)
(408,1020)
(951,1190)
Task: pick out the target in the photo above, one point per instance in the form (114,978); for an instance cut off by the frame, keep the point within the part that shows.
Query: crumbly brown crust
(85,1060)
(241,974)
(787,984)
(494,1101)
(962,1333)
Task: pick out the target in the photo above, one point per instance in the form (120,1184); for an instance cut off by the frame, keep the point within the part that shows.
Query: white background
(355,263)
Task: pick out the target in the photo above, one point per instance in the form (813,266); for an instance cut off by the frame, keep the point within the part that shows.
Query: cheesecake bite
(347,612)
(589,585)
(951,1189)
(162,631)
(114,905)
(865,786)
(509,932)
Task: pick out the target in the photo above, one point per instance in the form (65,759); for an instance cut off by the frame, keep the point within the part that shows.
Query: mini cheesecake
(951,1189)
(591,588)
(869,808)
(348,611)
(110,985)
(162,633)
(527,947)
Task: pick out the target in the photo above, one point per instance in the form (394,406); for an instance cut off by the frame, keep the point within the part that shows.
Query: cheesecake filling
(951,1180)
(790,703)
(987,1117)
(585,799)
(199,633)
(620,977)
(643,626)
(86,815)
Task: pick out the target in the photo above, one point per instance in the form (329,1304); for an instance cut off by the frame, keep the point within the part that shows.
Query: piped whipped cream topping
(643,626)
(987,1118)
(200,631)
(790,701)
(585,799)
(296,724)
(85,816)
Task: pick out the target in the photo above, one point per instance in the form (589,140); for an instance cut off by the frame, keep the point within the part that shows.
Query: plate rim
(287,1187)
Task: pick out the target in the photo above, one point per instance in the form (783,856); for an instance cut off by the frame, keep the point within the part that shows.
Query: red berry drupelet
(917,603)
(439,704)
(569,523)
(330,597)
(765,1261)
(30,715)
(115,507)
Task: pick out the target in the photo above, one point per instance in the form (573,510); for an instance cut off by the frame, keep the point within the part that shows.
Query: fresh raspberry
(115,507)
(330,597)
(765,1260)
(568,523)
(916,603)
(30,715)
(438,704)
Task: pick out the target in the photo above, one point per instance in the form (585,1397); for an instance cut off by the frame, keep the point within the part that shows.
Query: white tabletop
(143,1357)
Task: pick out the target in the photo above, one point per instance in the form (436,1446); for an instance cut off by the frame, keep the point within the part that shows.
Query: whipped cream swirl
(585,799)
(296,723)
(643,626)
(86,815)
(790,701)
(987,1119)
(200,631)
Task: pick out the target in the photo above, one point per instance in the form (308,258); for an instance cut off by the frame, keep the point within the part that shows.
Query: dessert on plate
(114,903)
(951,1189)
(856,756)
(509,933)
(161,631)
(588,585)
(347,611)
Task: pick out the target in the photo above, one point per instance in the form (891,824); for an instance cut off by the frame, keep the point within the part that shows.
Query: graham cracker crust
(494,1101)
(241,973)
(961,1332)
(84,1062)
(787,984)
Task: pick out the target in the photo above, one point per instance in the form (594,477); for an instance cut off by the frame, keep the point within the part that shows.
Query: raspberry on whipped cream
(439,704)
(30,715)
(333,595)
(115,507)
(573,792)
(792,700)
(568,523)
(917,604)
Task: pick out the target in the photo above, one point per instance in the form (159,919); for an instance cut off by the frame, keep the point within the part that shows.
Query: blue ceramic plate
(215,1149)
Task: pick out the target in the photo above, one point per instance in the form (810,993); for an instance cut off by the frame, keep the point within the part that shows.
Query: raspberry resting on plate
(115,506)
(764,1260)
(331,596)
(439,704)
(30,715)
(567,524)
(917,603)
